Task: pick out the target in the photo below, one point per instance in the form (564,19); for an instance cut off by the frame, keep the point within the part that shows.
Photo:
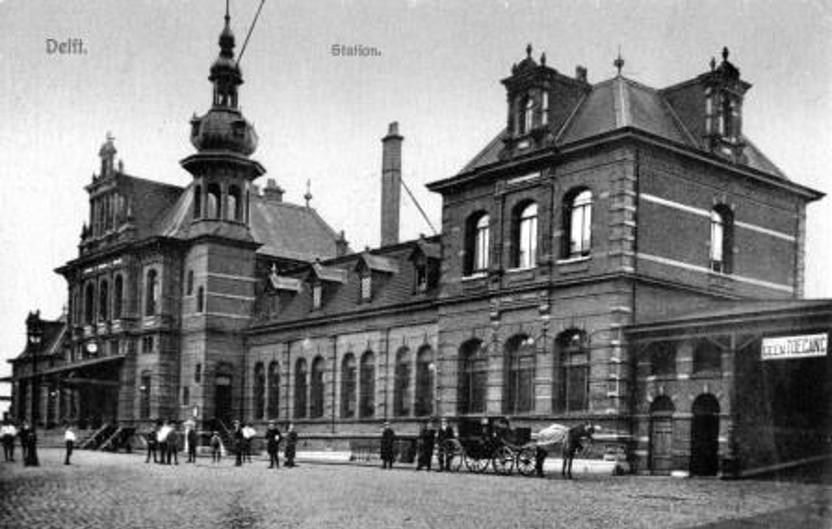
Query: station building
(618,254)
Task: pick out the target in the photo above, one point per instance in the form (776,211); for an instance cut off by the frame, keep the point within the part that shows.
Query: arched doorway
(222,394)
(661,435)
(704,436)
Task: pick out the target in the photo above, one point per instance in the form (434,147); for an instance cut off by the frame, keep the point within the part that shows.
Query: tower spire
(619,61)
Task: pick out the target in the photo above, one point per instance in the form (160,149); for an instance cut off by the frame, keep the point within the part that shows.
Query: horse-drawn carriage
(490,441)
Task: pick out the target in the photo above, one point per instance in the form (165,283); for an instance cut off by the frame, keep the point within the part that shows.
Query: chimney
(273,192)
(391,178)
(580,73)
(341,245)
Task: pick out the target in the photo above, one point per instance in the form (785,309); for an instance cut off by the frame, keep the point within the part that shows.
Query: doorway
(704,436)
(222,399)
(661,435)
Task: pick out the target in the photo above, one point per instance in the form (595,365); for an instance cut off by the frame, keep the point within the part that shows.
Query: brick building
(617,253)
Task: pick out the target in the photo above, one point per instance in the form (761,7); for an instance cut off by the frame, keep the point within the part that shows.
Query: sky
(320,118)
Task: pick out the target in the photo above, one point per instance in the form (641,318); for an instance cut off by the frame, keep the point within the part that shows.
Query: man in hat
(427,438)
(291,444)
(272,442)
(446,433)
(387,440)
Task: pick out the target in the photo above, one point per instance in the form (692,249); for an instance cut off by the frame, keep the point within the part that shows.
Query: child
(216,443)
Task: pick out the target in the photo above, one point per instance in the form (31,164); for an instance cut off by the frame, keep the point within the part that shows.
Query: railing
(98,437)
(120,438)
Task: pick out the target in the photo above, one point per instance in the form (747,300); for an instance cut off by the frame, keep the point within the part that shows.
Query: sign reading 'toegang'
(785,347)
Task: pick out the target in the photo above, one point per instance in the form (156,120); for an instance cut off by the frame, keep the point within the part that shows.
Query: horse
(570,439)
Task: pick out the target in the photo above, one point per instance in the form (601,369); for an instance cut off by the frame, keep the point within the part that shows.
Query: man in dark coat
(272,442)
(387,440)
(29,441)
(152,444)
(427,438)
(173,444)
(446,433)
(291,444)
(193,441)
(237,435)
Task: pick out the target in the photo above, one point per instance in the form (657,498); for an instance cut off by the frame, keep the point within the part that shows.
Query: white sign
(794,347)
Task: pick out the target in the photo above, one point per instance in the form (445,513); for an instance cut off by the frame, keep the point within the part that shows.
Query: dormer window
(366,287)
(421,276)
(317,296)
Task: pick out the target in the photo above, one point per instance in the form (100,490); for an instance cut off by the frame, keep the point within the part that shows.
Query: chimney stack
(272,191)
(391,180)
(581,73)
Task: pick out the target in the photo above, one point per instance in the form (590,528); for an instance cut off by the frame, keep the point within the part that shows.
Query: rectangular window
(144,392)
(198,373)
(316,297)
(186,395)
(544,111)
(481,255)
(366,287)
(147,344)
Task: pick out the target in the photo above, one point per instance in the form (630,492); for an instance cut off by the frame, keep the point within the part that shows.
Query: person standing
(216,447)
(272,442)
(446,433)
(291,445)
(173,445)
(29,441)
(248,437)
(427,437)
(387,440)
(239,440)
(69,441)
(152,443)
(193,440)
(8,432)
(162,438)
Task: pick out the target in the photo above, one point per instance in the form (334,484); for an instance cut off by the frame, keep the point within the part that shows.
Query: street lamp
(35,338)
(433,367)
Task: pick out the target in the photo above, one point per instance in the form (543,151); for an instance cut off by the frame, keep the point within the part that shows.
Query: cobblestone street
(120,491)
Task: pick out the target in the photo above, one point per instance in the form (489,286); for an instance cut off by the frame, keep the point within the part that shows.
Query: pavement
(117,491)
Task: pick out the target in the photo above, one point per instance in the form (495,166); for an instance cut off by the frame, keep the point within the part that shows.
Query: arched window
(525,236)
(316,408)
(424,381)
(572,380)
(401,384)
(103,300)
(473,377)
(577,223)
(528,113)
(235,204)
(707,357)
(200,299)
(728,122)
(367,379)
(662,358)
(722,239)
(476,244)
(144,395)
(89,304)
(118,296)
(151,295)
(520,362)
(259,391)
(197,202)
(300,388)
(274,390)
(214,202)
(348,386)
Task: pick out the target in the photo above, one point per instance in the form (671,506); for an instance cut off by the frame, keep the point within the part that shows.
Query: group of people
(29,442)
(244,435)
(163,443)
(426,442)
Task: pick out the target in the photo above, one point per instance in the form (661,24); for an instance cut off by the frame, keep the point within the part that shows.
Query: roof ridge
(149,181)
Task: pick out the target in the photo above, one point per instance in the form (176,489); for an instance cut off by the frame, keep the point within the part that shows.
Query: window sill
(520,269)
(570,260)
(573,264)
(475,276)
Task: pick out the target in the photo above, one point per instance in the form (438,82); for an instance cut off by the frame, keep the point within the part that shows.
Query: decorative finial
(713,64)
(543,59)
(725,53)
(227,15)
(308,195)
(529,50)
(618,62)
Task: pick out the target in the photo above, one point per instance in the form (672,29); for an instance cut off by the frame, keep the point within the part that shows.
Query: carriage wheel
(503,460)
(526,460)
(454,453)
(475,464)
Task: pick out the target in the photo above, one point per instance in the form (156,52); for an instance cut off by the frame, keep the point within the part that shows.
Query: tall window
(144,395)
(103,300)
(317,296)
(528,113)
(200,299)
(274,390)
(89,304)
(197,201)
(367,379)
(544,108)
(259,390)
(151,295)
(662,358)
(424,382)
(190,283)
(573,371)
(235,204)
(473,377)
(722,239)
(213,202)
(316,405)
(401,389)
(577,210)
(476,244)
(520,362)
(367,286)
(118,296)
(348,386)
(525,237)
(707,357)
(300,388)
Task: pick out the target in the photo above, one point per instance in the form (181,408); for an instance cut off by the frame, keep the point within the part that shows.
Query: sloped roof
(329,273)
(283,229)
(148,201)
(378,263)
(53,333)
(615,104)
